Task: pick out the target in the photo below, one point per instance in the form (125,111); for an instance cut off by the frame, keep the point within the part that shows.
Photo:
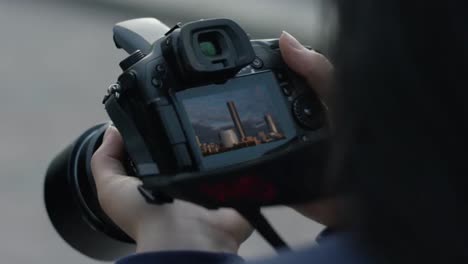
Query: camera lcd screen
(245,115)
(233,119)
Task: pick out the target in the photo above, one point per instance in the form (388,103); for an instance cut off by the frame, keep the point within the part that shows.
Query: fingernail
(292,41)
(108,132)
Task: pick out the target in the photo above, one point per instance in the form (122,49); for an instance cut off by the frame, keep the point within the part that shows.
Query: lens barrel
(72,204)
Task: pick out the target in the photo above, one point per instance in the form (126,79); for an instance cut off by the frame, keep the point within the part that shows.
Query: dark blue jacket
(335,249)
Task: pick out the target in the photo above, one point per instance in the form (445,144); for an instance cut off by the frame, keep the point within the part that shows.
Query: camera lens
(72,203)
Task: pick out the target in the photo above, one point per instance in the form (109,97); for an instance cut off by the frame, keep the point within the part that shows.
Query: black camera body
(211,117)
(207,116)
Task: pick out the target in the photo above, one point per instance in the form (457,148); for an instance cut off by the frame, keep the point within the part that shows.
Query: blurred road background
(57,59)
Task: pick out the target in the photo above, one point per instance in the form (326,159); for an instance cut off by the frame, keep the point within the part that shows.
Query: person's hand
(315,68)
(317,71)
(182,225)
(177,226)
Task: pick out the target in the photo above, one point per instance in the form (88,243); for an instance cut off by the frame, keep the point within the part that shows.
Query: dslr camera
(207,115)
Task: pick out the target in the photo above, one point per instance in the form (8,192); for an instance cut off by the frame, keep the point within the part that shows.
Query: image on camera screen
(233,119)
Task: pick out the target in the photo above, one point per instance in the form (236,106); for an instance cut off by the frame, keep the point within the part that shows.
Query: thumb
(311,65)
(106,162)
(116,191)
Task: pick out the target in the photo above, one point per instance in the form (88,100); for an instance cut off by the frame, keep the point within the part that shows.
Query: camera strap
(264,228)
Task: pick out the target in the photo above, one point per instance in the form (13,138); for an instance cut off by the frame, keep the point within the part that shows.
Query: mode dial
(132,59)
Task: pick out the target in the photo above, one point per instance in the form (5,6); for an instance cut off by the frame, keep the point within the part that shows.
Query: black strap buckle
(154,197)
(178,25)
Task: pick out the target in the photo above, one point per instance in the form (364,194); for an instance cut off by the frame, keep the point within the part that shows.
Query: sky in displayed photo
(209,114)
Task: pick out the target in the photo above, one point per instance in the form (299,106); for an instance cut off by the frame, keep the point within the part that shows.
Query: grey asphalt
(56,60)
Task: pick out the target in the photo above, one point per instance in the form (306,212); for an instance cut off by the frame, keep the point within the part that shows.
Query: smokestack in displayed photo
(271,124)
(198,141)
(236,119)
(228,138)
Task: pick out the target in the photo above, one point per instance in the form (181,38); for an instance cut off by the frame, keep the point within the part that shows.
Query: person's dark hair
(401,126)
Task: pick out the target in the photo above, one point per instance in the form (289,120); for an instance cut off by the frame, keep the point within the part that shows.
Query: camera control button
(257,63)
(160,68)
(156,82)
(287,90)
(308,112)
(131,60)
(281,76)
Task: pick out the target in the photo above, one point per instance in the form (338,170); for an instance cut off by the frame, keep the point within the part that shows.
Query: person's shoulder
(337,249)
(182,257)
